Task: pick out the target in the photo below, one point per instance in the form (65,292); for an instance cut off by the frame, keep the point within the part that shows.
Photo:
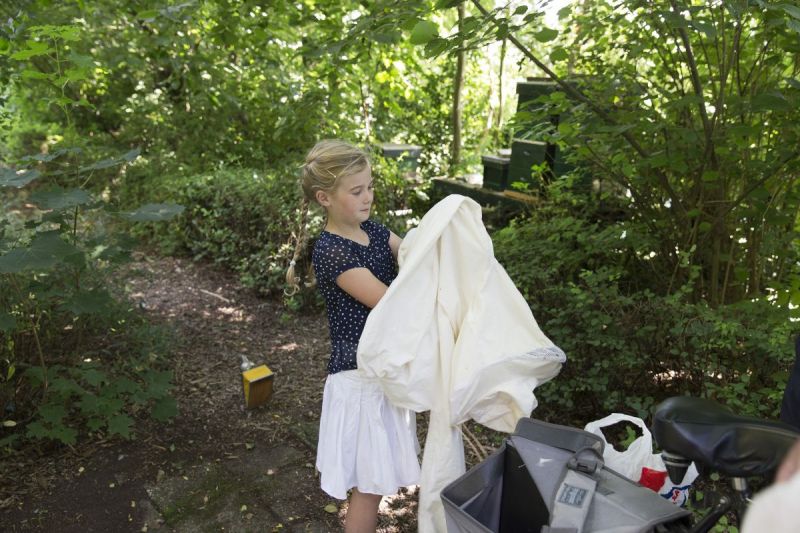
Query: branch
(696,85)
(759,183)
(567,88)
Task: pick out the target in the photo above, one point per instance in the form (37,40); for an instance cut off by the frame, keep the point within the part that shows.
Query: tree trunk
(455,152)
(499,116)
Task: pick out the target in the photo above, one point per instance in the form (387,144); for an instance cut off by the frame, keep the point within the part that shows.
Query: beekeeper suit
(452,335)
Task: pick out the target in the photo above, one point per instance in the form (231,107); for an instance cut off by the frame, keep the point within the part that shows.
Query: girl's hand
(394,244)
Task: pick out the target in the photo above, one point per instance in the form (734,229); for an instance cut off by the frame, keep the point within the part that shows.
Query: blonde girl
(366,445)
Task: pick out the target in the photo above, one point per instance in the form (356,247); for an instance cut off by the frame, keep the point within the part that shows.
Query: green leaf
(65,434)
(92,302)
(59,198)
(148,14)
(83,61)
(125,386)
(36,430)
(120,425)
(65,386)
(17,178)
(520,10)
(131,155)
(546,35)
(45,251)
(158,383)
(89,404)
(34,49)
(103,163)
(794,11)
(7,322)
(164,409)
(66,33)
(93,377)
(424,31)
(770,101)
(390,37)
(559,54)
(52,414)
(675,20)
(710,176)
(705,27)
(155,212)
(35,75)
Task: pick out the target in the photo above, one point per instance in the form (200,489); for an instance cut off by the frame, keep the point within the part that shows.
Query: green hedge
(628,348)
(245,219)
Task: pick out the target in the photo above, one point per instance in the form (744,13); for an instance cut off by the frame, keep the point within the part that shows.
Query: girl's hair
(326,163)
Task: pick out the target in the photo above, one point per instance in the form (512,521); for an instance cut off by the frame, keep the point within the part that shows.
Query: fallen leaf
(331,508)
(243,509)
(249,445)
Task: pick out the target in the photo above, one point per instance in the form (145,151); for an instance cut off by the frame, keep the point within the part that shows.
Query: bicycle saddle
(709,434)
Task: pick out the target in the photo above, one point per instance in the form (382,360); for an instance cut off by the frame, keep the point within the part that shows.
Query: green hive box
(495,172)
(524,155)
(406,154)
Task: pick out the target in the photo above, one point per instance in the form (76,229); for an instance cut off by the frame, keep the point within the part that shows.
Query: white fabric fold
(453,336)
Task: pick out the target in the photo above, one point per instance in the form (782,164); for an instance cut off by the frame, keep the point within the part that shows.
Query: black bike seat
(709,434)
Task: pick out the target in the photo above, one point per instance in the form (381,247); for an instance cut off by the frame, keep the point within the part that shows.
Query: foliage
(627,347)
(689,110)
(248,220)
(63,331)
(704,101)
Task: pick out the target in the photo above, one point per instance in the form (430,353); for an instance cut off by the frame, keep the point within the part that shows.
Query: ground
(217,466)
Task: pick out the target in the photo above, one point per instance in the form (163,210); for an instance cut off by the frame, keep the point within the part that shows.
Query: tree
(691,110)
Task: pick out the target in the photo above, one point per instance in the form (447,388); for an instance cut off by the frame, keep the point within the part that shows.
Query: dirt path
(217,466)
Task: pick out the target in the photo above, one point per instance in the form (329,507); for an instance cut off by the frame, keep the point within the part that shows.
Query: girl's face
(350,203)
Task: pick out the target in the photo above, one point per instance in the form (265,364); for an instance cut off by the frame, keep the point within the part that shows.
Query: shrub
(627,347)
(246,219)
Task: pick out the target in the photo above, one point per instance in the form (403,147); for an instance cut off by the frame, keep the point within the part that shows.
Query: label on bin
(573,496)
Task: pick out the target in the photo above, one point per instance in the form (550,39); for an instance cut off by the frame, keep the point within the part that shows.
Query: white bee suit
(454,336)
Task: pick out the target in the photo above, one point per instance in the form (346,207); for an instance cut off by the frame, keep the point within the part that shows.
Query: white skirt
(364,441)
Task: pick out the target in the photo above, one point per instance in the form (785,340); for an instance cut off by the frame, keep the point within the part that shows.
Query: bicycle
(689,429)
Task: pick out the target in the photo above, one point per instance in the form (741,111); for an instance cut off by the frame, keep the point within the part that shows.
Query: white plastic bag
(639,463)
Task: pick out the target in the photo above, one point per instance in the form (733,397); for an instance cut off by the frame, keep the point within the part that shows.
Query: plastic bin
(514,489)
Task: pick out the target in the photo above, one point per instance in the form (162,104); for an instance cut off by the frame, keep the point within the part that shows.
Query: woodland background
(665,262)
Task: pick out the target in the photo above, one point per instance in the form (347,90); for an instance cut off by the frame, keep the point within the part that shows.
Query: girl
(365,443)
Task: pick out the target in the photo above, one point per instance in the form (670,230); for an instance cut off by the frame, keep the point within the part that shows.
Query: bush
(75,358)
(627,347)
(246,220)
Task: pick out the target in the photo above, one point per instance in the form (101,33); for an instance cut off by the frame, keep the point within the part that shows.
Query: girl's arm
(362,285)
(394,244)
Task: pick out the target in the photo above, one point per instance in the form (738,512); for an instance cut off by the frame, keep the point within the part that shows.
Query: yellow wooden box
(257,384)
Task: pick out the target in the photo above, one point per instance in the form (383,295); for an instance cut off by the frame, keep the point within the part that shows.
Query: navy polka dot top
(333,255)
